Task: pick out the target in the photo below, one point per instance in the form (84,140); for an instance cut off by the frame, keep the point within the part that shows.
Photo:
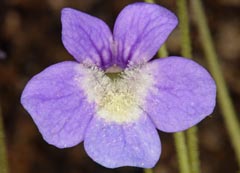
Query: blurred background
(30,40)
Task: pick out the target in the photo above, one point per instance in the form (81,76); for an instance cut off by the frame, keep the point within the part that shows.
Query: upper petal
(87,39)
(184,93)
(57,105)
(140,30)
(114,145)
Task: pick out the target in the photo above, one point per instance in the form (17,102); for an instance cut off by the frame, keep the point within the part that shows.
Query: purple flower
(114,97)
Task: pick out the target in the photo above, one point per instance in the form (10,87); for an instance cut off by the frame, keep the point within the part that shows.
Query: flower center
(117,104)
(119,95)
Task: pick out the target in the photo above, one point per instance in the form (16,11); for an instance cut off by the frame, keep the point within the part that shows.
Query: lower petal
(184,93)
(114,145)
(57,105)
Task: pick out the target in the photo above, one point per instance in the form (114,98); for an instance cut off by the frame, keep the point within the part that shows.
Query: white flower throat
(118,96)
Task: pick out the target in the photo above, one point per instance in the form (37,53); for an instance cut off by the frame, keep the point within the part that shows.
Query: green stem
(192,139)
(148,170)
(163,51)
(225,102)
(150,1)
(193,150)
(184,28)
(182,152)
(3,157)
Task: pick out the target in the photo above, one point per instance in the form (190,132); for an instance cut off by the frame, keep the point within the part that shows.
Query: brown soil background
(30,40)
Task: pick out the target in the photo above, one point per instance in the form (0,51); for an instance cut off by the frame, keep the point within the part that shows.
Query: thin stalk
(148,170)
(181,148)
(192,139)
(163,51)
(150,1)
(184,28)
(229,114)
(3,153)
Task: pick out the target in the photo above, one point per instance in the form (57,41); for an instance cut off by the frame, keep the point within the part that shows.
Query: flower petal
(184,94)
(87,39)
(57,105)
(114,145)
(140,30)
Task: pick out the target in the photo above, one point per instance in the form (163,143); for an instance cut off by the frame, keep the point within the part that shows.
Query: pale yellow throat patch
(118,96)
